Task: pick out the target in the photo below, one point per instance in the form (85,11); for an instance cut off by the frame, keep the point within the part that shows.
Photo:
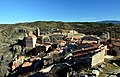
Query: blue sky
(15,11)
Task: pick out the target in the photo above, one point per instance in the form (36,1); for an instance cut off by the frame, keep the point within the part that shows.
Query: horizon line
(52,21)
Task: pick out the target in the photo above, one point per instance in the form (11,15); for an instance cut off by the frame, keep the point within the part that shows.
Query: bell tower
(37,31)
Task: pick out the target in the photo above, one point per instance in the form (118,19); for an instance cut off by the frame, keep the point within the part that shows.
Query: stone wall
(116,49)
(98,57)
(30,41)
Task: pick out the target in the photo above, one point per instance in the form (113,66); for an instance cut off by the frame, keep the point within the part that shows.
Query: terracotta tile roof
(61,42)
(88,45)
(74,37)
(57,50)
(85,49)
(115,40)
(35,58)
(116,44)
(26,64)
(91,37)
(83,52)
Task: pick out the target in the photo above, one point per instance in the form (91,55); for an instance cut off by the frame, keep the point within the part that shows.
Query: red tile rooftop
(116,44)
(85,49)
(83,52)
(115,38)
(74,37)
(91,36)
(34,58)
(61,41)
(57,50)
(26,64)
(88,45)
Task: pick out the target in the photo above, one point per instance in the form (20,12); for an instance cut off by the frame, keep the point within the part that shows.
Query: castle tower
(37,31)
(30,41)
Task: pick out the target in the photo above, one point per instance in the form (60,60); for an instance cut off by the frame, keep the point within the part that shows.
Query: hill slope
(110,21)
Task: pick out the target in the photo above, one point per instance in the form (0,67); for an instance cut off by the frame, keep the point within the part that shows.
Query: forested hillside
(9,30)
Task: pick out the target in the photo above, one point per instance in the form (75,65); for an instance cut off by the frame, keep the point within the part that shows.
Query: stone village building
(90,55)
(30,41)
(90,39)
(116,48)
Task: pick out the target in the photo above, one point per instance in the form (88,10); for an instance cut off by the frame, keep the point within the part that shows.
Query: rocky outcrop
(5,60)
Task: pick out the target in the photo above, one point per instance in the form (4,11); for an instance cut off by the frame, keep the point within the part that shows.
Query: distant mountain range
(110,21)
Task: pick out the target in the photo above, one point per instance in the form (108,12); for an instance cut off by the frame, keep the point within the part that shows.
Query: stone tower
(37,31)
